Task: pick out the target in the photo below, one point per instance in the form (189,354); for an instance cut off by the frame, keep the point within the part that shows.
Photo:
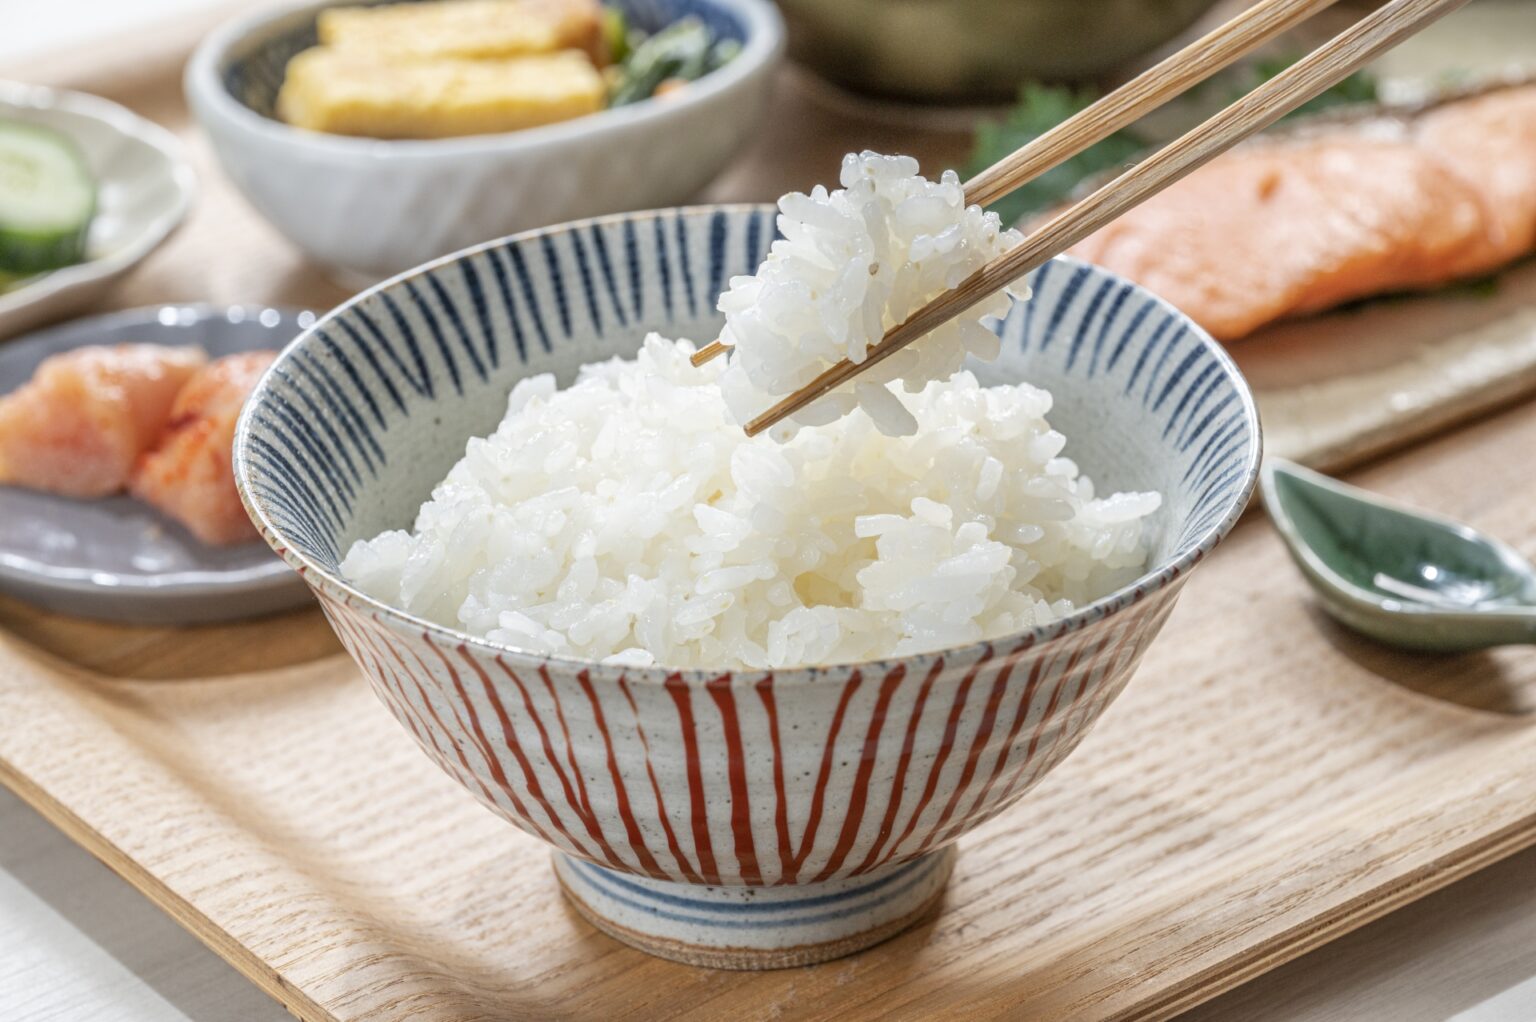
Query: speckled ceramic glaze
(739,819)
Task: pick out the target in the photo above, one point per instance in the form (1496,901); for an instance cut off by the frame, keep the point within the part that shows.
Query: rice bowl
(872,769)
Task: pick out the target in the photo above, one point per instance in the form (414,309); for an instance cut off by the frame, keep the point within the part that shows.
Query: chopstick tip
(706,353)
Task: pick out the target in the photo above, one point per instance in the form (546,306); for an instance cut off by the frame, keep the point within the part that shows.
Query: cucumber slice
(47,199)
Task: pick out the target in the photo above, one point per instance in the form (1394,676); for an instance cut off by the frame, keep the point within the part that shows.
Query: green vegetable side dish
(684,51)
(1042,107)
(47,201)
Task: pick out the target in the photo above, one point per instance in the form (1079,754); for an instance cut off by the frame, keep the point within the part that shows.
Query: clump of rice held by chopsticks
(851,264)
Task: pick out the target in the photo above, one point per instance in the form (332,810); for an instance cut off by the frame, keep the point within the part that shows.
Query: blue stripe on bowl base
(689,897)
(421,382)
(746,915)
(418,305)
(1178,374)
(1162,361)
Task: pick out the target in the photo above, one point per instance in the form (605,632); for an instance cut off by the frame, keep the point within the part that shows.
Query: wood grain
(80,944)
(1466,952)
(1266,783)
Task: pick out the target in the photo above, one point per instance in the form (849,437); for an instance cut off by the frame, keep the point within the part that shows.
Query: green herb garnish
(1360,87)
(1042,107)
(684,50)
(1476,287)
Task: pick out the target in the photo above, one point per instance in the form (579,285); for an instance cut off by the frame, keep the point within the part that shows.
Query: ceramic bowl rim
(332,585)
(130,125)
(203,83)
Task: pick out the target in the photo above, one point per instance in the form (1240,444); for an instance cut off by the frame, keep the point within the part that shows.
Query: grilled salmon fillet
(77,427)
(1490,142)
(1288,227)
(188,474)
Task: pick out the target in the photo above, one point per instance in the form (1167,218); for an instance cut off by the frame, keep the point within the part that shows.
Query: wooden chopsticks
(1139,96)
(1149,90)
(1327,65)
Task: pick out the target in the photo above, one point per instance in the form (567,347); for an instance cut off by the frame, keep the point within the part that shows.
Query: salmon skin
(188,473)
(1342,209)
(79,425)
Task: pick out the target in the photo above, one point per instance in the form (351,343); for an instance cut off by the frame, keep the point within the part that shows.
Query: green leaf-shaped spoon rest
(1401,576)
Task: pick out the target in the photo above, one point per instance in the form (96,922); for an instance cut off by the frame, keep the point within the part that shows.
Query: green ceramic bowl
(959,50)
(1399,575)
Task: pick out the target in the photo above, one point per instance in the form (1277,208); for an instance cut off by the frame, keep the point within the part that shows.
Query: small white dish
(370,208)
(145,189)
(117,559)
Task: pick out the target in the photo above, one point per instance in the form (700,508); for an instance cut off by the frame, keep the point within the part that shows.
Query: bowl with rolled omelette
(378,136)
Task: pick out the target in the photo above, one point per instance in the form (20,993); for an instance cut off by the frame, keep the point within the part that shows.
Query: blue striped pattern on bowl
(1148,400)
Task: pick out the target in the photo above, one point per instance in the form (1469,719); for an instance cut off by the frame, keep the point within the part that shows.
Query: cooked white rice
(852,264)
(629,519)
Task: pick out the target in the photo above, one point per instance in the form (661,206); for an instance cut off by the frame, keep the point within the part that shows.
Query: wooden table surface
(76,942)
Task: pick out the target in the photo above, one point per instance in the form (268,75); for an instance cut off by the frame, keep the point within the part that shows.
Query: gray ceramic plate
(119,559)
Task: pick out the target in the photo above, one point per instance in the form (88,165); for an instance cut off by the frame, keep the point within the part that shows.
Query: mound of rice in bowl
(851,264)
(629,519)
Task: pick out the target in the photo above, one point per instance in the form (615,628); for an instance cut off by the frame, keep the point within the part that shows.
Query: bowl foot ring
(755,927)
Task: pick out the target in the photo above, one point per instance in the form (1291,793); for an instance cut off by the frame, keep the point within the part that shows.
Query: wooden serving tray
(1266,782)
